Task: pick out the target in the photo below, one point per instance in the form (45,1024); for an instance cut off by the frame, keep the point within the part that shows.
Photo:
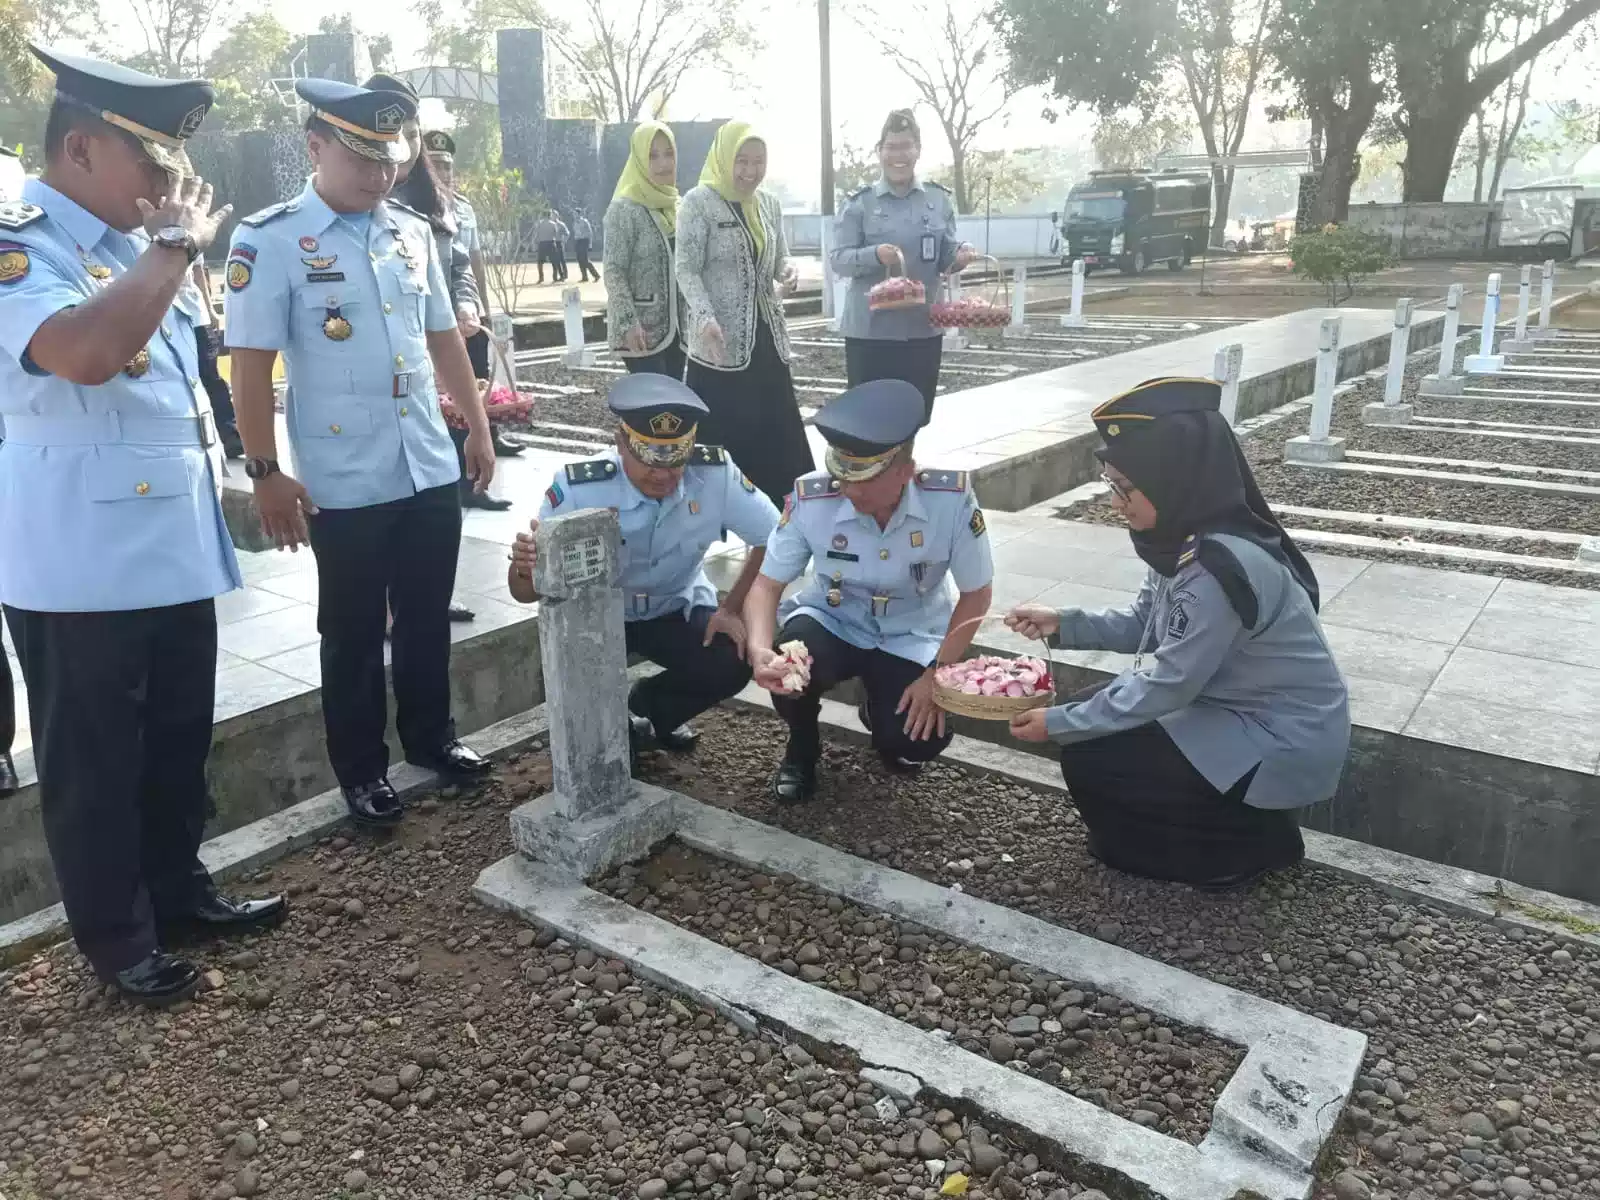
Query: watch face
(175,235)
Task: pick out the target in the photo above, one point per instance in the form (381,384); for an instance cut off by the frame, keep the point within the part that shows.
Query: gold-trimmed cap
(367,121)
(660,417)
(436,143)
(161,113)
(1154,398)
(866,426)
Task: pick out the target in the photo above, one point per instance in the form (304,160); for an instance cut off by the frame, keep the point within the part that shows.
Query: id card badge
(930,248)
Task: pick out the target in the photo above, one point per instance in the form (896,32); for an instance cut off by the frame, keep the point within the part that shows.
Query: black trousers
(8,706)
(403,552)
(580,248)
(561,261)
(667,361)
(121,705)
(884,677)
(546,252)
(478,354)
(1150,813)
(207,341)
(915,360)
(694,676)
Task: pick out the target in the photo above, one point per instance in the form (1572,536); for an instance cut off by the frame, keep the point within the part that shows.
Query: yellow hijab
(636,184)
(717,174)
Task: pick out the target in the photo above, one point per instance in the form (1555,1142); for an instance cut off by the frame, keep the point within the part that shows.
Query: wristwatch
(260,468)
(176,237)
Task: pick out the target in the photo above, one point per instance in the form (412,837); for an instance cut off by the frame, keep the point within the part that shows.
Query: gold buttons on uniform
(404,411)
(399,360)
(884,554)
(142,488)
(334,429)
(387,307)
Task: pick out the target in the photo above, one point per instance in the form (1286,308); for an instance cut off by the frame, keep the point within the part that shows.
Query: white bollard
(1019,301)
(1391,411)
(1524,294)
(1316,446)
(830,311)
(1486,361)
(1225,369)
(1547,295)
(1074,318)
(503,369)
(1444,381)
(577,353)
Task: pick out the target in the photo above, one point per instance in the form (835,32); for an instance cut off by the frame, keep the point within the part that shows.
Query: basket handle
(898,266)
(1049,654)
(999,290)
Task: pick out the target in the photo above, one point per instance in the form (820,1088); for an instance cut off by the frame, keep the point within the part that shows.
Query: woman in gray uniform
(1189,765)
(907,224)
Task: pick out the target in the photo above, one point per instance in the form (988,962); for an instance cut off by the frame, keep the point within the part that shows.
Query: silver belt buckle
(208,429)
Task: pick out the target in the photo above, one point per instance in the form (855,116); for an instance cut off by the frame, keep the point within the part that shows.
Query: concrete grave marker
(1316,446)
(1486,361)
(577,353)
(1073,319)
(1226,368)
(503,372)
(1019,301)
(1391,411)
(1444,381)
(1547,295)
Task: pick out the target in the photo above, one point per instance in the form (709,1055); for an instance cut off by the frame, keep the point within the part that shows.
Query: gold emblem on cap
(389,118)
(191,121)
(140,363)
(665,424)
(1112,430)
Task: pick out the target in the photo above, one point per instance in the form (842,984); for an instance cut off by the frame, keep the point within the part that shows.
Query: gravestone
(596,815)
(1317,446)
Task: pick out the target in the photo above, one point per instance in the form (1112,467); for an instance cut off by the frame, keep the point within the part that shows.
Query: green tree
(1338,257)
(853,168)
(25,88)
(244,64)
(464,37)
(507,214)
(1000,179)
(174,33)
(1131,139)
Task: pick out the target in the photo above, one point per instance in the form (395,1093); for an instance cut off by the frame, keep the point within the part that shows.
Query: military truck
(1131,219)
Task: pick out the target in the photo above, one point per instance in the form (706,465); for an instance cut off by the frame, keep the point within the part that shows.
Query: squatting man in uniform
(673,500)
(111,529)
(884,541)
(347,285)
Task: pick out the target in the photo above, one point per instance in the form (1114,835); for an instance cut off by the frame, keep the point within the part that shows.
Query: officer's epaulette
(934,183)
(860,191)
(271,213)
(1191,547)
(942,481)
(18,214)
(817,487)
(708,456)
(592,471)
(391,202)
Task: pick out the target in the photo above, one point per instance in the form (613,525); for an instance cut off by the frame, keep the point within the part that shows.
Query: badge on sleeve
(14,263)
(976,523)
(1177,622)
(788,510)
(553,494)
(239,273)
(744,482)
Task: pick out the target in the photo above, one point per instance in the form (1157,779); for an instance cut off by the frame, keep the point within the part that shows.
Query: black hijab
(1192,469)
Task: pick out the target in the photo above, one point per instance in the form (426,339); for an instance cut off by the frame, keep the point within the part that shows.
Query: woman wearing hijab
(732,262)
(1189,765)
(644,311)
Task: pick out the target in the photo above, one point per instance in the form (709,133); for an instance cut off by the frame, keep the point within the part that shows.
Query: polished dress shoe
(503,448)
(795,780)
(453,759)
(896,764)
(157,980)
(221,916)
(644,730)
(8,775)
(232,443)
(374,804)
(484,501)
(460,612)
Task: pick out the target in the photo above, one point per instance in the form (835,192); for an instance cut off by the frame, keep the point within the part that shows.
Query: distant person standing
(441,150)
(582,238)
(562,234)
(644,309)
(732,261)
(899,225)
(544,245)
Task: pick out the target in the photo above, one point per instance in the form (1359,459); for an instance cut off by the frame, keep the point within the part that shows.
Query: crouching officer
(111,530)
(673,499)
(884,540)
(348,287)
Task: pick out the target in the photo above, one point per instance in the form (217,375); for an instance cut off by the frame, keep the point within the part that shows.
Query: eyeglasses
(1121,490)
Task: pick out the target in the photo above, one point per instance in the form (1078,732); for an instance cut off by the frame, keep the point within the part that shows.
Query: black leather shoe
(460,613)
(680,739)
(503,448)
(8,775)
(157,980)
(893,762)
(795,781)
(221,916)
(374,804)
(484,501)
(232,444)
(454,759)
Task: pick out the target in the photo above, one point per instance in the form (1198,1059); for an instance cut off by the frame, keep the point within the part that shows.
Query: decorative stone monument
(596,814)
(1316,446)
(1391,411)
(1486,361)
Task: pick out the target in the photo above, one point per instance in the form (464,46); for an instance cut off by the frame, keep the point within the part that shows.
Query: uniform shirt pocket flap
(329,297)
(137,479)
(352,422)
(413,285)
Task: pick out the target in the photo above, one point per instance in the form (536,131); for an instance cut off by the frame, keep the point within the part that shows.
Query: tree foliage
(1338,256)
(253,53)
(507,215)
(24,84)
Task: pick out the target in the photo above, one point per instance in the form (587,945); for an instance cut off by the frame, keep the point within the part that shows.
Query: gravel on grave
(396,1041)
(1095,1045)
(1482,1076)
(811,364)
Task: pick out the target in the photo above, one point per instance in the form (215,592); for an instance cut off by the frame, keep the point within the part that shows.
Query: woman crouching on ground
(1189,765)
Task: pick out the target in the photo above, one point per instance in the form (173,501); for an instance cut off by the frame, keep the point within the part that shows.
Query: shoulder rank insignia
(942,481)
(708,456)
(860,191)
(976,523)
(817,487)
(271,213)
(592,471)
(18,214)
(1191,547)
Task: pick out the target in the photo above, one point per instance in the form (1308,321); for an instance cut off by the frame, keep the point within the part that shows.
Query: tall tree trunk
(1483,154)
(958,177)
(1431,141)
(1221,199)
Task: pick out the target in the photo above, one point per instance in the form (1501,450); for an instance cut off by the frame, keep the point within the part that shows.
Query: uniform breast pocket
(413,301)
(108,480)
(327,319)
(927,576)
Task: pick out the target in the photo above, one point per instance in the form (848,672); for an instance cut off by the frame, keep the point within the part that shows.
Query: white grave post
(954,339)
(1486,361)
(1074,318)
(1444,381)
(577,353)
(596,814)
(1547,295)
(1225,369)
(1391,411)
(502,371)
(1316,446)
(830,310)
(1019,301)
(1524,295)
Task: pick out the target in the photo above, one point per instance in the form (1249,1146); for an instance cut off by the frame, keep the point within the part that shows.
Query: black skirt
(755,417)
(916,360)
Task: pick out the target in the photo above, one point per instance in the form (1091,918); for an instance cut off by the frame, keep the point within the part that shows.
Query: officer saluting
(348,286)
(111,533)
(884,539)
(673,500)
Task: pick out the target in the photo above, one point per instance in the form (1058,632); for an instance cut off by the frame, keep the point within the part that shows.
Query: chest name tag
(930,246)
(844,556)
(324,276)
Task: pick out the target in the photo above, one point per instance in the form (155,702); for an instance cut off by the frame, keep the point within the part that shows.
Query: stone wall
(1448,230)
(250,170)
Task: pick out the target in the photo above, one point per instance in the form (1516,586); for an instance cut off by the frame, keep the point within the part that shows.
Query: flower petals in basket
(896,292)
(500,404)
(975,312)
(991,688)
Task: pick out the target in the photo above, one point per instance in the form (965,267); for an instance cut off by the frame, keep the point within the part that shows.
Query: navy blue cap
(385,82)
(1160,397)
(659,415)
(365,120)
(161,113)
(439,144)
(867,424)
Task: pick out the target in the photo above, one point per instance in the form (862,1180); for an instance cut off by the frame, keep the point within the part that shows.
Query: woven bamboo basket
(993,708)
(918,298)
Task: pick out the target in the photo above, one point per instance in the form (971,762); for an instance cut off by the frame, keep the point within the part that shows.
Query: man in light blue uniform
(673,500)
(111,532)
(348,286)
(885,541)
